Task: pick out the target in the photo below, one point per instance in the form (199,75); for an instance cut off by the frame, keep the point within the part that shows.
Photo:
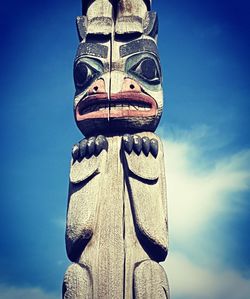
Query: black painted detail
(140,144)
(127,143)
(151,24)
(148,3)
(91,146)
(83,148)
(100,144)
(145,145)
(137,46)
(100,21)
(92,49)
(84,73)
(147,70)
(154,147)
(75,152)
(81,24)
(85,5)
(137,144)
(80,74)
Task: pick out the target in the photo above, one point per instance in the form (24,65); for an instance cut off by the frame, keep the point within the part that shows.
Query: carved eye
(83,74)
(147,69)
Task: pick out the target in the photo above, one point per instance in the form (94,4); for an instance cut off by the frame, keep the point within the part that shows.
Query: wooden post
(116,232)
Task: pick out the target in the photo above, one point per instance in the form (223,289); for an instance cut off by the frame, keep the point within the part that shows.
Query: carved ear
(150,24)
(129,25)
(81,24)
(98,14)
(99,25)
(130,16)
(135,24)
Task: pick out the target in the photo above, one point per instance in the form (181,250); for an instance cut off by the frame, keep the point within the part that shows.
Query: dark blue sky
(204,49)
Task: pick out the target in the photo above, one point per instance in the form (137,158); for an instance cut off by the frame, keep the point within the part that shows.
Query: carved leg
(77,283)
(150,281)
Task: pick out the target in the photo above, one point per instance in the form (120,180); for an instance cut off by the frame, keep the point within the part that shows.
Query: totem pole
(116,232)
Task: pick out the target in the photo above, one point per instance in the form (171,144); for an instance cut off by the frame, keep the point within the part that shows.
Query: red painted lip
(121,104)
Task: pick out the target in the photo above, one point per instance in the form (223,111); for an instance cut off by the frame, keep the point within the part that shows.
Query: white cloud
(196,194)
(200,191)
(190,281)
(11,292)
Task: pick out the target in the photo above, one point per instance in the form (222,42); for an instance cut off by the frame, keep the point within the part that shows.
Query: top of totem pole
(117,70)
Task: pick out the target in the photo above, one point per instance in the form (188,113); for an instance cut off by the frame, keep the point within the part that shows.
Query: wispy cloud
(59,222)
(12,292)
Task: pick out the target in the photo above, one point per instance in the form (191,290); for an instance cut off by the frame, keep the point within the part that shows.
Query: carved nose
(97,87)
(130,85)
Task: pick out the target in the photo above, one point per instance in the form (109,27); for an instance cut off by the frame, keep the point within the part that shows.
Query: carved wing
(82,202)
(147,191)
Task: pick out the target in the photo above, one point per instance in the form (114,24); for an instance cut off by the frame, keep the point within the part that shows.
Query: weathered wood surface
(116,231)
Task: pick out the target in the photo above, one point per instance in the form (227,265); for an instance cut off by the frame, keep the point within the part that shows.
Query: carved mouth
(122,104)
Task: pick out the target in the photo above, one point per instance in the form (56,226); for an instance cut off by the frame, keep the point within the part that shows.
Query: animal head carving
(117,70)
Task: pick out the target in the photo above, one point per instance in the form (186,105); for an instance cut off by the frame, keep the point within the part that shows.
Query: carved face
(118,86)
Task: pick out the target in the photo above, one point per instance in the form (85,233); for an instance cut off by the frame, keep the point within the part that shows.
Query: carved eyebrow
(137,46)
(92,49)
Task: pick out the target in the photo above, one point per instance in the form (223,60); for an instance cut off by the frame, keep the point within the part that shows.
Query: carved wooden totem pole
(116,231)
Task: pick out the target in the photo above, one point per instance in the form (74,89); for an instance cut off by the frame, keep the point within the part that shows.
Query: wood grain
(117,224)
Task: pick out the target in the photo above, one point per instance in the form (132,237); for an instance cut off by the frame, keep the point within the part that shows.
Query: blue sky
(205,127)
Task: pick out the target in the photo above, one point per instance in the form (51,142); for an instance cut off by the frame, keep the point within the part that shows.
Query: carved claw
(146,145)
(140,144)
(137,144)
(154,147)
(89,147)
(83,147)
(128,143)
(75,151)
(100,144)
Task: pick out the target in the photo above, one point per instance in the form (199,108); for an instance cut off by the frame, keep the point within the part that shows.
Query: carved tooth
(137,144)
(83,148)
(154,147)
(75,152)
(145,145)
(127,140)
